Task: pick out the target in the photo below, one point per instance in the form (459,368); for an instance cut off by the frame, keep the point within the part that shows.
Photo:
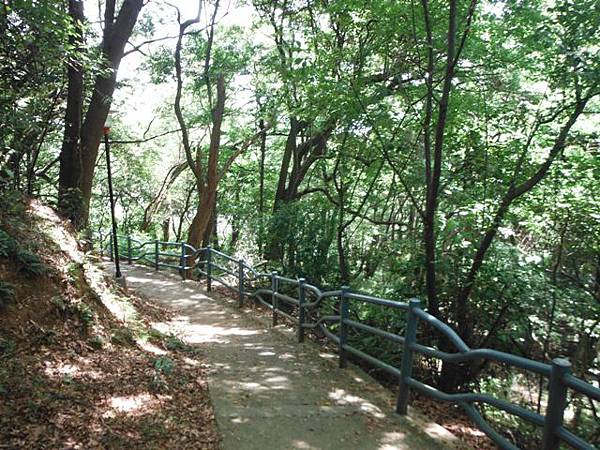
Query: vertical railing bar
(241,282)
(301,308)
(182,263)
(156,250)
(344,312)
(410,338)
(129,258)
(274,302)
(209,268)
(557,402)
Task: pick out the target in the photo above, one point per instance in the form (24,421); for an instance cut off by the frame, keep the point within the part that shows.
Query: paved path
(269,392)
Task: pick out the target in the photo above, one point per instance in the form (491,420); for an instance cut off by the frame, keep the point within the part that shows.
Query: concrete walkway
(269,392)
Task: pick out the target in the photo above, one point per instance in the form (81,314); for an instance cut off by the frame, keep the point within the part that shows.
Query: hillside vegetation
(80,364)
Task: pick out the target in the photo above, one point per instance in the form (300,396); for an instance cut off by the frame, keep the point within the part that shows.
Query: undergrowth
(16,243)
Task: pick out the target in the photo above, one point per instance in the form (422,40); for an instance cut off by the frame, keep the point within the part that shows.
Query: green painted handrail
(558,372)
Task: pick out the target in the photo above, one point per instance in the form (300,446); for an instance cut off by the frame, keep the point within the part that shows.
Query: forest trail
(270,392)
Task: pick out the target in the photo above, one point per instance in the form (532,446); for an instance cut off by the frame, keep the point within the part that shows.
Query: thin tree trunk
(209,192)
(261,188)
(514,192)
(433,174)
(116,34)
(158,200)
(69,196)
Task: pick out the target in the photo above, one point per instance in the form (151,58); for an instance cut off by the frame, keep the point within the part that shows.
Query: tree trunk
(165,229)
(210,235)
(207,196)
(261,188)
(116,34)
(301,158)
(155,204)
(69,196)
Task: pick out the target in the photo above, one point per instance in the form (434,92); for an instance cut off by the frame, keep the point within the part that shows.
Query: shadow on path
(269,392)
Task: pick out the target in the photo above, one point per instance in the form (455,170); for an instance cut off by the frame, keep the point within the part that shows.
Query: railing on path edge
(558,372)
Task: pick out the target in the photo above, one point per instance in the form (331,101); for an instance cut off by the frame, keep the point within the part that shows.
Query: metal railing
(241,279)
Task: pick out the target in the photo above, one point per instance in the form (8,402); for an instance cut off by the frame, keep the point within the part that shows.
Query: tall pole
(112,203)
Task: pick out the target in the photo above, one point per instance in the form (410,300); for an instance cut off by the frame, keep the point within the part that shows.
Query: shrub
(30,263)
(173,343)
(97,342)
(85,313)
(122,336)
(60,302)
(7,293)
(7,244)
(7,347)
(162,366)
(12,205)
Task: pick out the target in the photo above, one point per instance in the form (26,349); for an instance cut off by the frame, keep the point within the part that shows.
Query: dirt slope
(81,365)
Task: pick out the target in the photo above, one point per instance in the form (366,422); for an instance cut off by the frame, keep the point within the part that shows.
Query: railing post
(410,337)
(156,244)
(129,259)
(557,402)
(182,262)
(101,244)
(241,282)
(274,302)
(110,246)
(301,308)
(208,269)
(344,309)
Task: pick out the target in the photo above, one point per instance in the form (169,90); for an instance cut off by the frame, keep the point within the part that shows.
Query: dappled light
(340,397)
(258,376)
(134,404)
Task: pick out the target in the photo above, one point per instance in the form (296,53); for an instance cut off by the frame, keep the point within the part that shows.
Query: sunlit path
(269,392)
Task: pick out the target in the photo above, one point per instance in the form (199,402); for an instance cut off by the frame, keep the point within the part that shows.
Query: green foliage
(85,313)
(7,244)
(7,293)
(14,224)
(7,347)
(34,50)
(72,203)
(12,206)
(30,263)
(122,336)
(97,342)
(305,236)
(163,367)
(62,304)
(174,343)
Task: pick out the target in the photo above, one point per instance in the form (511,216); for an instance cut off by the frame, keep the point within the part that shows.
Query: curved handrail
(472,397)
(322,296)
(378,301)
(485,353)
(558,372)
(444,328)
